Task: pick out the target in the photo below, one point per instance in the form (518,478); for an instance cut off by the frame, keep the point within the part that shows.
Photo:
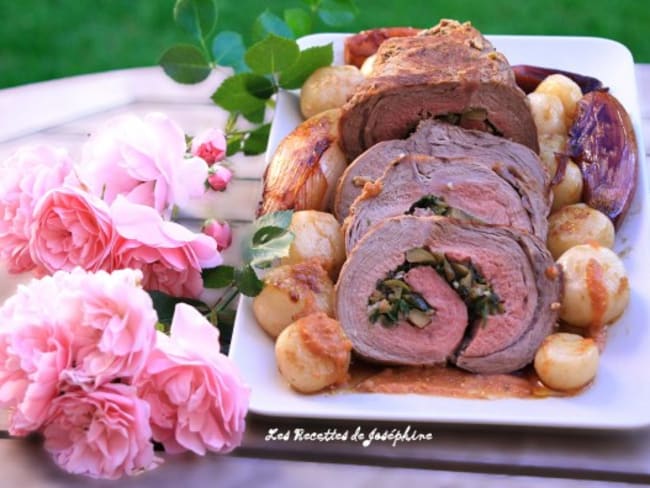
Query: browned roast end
(449,69)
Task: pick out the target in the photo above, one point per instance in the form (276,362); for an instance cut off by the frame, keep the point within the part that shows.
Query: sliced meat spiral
(515,264)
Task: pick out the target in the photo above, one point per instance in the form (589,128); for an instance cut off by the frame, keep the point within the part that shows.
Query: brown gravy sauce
(447,381)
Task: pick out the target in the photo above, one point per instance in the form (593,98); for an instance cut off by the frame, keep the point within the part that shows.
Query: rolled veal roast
(449,71)
(515,163)
(454,187)
(430,290)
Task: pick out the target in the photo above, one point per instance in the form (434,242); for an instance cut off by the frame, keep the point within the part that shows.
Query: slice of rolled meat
(515,163)
(511,307)
(426,185)
(449,71)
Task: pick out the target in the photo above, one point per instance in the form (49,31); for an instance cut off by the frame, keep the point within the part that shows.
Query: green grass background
(45,39)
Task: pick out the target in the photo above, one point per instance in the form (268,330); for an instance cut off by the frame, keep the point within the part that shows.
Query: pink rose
(24,178)
(69,330)
(210,145)
(103,433)
(72,228)
(219,177)
(114,327)
(220,232)
(34,350)
(170,256)
(144,160)
(198,401)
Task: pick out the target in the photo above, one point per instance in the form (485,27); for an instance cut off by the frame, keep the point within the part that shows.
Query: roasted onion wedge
(305,167)
(603,143)
(529,77)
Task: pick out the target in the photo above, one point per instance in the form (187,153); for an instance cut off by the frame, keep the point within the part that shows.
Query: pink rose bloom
(210,145)
(103,433)
(220,232)
(144,160)
(72,228)
(170,256)
(219,177)
(198,401)
(69,330)
(24,178)
(34,350)
(113,327)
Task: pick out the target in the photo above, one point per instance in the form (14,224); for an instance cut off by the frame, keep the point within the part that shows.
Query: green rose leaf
(298,20)
(281,218)
(337,12)
(272,55)
(218,277)
(256,116)
(198,17)
(247,281)
(228,50)
(234,144)
(270,239)
(184,63)
(245,93)
(269,23)
(257,140)
(309,61)
(312,3)
(165,304)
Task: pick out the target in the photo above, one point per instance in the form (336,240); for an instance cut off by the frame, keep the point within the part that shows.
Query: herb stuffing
(393,300)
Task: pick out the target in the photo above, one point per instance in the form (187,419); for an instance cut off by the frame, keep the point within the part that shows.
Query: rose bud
(209,145)
(219,177)
(220,232)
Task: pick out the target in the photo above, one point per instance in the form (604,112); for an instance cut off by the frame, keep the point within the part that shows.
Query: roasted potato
(548,113)
(327,88)
(313,353)
(578,224)
(566,90)
(549,144)
(566,361)
(305,168)
(569,189)
(368,65)
(596,288)
(317,236)
(291,292)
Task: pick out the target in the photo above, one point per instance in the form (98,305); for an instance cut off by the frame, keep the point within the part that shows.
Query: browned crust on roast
(450,68)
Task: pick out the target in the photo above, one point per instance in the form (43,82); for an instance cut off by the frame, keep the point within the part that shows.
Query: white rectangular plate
(620,395)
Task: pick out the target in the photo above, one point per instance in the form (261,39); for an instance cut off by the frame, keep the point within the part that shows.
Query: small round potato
(313,353)
(291,292)
(548,113)
(368,65)
(578,224)
(549,144)
(569,190)
(328,87)
(566,361)
(596,288)
(317,236)
(566,90)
